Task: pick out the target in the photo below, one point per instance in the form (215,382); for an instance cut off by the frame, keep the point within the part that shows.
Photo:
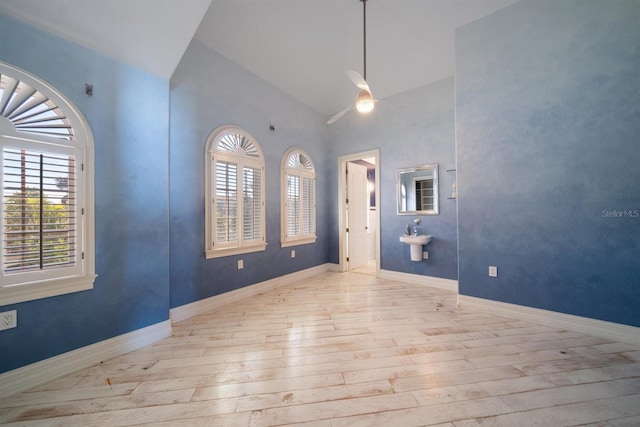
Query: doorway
(359,218)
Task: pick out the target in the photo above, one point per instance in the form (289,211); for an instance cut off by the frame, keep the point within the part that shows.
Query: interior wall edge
(585,325)
(44,371)
(186,311)
(419,279)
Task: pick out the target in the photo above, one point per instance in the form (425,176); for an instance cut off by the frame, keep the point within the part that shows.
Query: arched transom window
(47,191)
(298,223)
(235,206)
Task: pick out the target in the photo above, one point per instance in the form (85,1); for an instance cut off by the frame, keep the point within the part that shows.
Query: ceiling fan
(364,101)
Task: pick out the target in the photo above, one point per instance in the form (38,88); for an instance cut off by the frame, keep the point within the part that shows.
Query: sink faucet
(415,231)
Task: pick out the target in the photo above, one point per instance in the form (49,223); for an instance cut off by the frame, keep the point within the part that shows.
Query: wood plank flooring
(349,350)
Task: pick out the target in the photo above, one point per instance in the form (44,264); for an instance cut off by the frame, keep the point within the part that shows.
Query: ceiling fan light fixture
(364,102)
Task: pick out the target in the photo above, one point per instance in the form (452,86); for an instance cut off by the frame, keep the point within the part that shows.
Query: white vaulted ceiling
(302,47)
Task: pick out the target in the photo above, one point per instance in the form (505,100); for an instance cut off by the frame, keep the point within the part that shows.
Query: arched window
(235,188)
(47,191)
(298,225)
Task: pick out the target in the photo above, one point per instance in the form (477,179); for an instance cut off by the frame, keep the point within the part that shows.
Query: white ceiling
(302,47)
(148,34)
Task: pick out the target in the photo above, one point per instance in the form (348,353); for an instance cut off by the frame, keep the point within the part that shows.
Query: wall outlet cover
(493,271)
(8,320)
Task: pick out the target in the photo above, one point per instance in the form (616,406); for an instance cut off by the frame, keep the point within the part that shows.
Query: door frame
(342,205)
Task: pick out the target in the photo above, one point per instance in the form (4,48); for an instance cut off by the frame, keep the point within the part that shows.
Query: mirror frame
(436,199)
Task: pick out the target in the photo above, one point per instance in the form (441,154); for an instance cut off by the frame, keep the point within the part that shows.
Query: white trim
(302,173)
(47,370)
(218,253)
(84,142)
(45,289)
(298,242)
(186,311)
(240,159)
(418,279)
(342,191)
(613,331)
(334,268)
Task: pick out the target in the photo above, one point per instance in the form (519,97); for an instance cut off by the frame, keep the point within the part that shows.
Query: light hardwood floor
(349,350)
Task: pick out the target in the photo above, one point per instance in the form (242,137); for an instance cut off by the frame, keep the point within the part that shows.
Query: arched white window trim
(72,136)
(236,148)
(297,199)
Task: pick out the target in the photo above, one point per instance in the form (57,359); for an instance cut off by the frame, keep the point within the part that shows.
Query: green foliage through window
(39,210)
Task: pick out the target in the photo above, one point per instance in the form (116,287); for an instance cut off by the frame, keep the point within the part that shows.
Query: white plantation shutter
(309,205)
(293,205)
(298,196)
(39,224)
(235,217)
(252,194)
(226,202)
(30,111)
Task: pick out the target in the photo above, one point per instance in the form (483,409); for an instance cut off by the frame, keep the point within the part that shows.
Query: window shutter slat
(309,202)
(293,205)
(39,228)
(226,202)
(252,207)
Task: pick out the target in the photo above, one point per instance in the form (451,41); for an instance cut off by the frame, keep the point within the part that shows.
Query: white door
(357,215)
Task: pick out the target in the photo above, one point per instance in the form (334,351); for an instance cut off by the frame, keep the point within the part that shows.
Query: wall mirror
(417,190)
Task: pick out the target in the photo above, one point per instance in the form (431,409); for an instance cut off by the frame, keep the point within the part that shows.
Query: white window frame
(78,142)
(250,157)
(297,163)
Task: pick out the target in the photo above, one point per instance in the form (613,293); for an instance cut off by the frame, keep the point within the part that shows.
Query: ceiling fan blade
(338,116)
(359,81)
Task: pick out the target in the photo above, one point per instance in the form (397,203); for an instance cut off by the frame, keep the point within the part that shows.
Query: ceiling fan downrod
(364,36)
(364,101)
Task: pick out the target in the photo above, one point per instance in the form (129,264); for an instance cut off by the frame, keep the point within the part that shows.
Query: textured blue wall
(208,91)
(548,148)
(410,129)
(128,115)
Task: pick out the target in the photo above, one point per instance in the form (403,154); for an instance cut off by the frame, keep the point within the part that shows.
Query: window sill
(44,289)
(297,242)
(219,253)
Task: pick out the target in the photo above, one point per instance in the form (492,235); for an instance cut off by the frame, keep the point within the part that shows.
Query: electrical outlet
(425,255)
(293,253)
(8,320)
(493,271)
(240,264)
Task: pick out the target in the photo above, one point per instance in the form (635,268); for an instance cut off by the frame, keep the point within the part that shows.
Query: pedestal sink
(416,243)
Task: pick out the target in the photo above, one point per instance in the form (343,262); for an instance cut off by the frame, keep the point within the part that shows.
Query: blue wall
(548,148)
(208,91)
(410,129)
(128,115)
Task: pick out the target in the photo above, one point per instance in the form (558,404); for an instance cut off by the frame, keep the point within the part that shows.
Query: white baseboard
(418,279)
(600,328)
(47,370)
(202,306)
(335,268)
